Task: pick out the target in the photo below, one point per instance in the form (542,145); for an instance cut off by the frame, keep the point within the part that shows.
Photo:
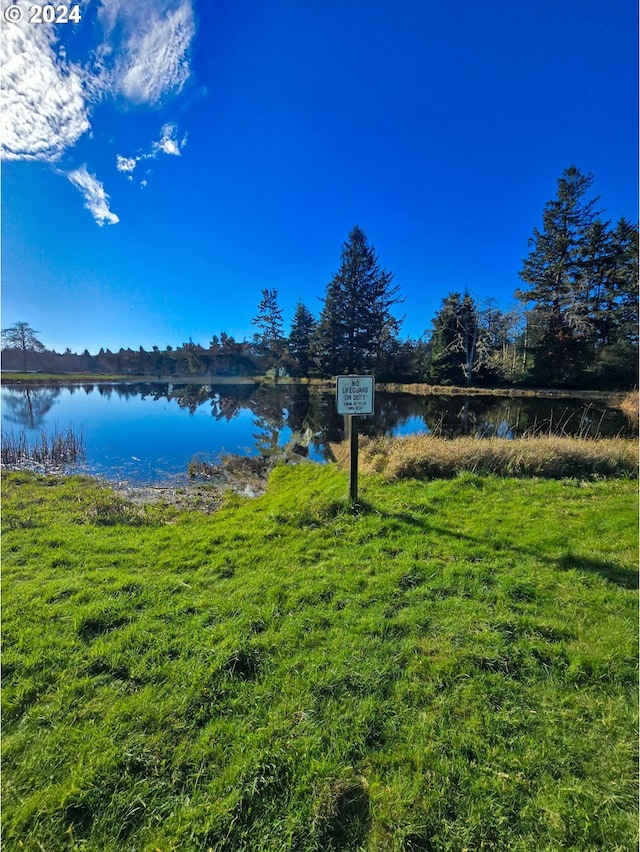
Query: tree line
(575,323)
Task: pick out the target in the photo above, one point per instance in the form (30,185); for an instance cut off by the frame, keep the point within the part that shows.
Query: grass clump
(450,665)
(424,456)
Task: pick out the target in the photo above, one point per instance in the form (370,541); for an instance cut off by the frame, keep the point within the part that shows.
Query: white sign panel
(354,394)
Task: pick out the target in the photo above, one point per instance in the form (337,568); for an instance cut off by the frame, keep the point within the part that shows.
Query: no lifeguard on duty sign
(354,394)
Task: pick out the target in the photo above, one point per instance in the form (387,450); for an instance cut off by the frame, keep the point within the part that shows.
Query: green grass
(451,665)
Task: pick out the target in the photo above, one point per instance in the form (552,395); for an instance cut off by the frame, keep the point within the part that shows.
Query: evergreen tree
(559,288)
(624,283)
(445,363)
(303,326)
(269,339)
(407,361)
(456,344)
(189,358)
(583,292)
(357,329)
(612,263)
(472,340)
(463,340)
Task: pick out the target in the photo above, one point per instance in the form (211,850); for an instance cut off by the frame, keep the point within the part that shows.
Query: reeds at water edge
(47,449)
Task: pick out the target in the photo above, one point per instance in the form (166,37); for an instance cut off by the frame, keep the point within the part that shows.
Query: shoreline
(614,398)
(418,457)
(243,476)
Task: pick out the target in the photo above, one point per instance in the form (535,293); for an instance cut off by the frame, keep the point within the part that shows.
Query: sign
(354,397)
(354,394)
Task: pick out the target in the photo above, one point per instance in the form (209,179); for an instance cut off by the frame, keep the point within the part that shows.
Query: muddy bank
(204,490)
(206,486)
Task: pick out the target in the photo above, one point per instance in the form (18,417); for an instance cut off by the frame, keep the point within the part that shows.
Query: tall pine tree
(558,289)
(464,339)
(303,326)
(612,266)
(357,329)
(268,341)
(445,361)
(583,292)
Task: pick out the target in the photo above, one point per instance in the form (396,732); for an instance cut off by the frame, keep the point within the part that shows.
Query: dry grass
(423,389)
(555,457)
(630,407)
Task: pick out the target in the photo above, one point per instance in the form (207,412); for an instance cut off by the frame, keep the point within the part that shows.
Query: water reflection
(511,417)
(28,407)
(147,428)
(306,410)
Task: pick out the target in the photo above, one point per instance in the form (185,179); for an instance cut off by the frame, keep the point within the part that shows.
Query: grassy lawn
(453,666)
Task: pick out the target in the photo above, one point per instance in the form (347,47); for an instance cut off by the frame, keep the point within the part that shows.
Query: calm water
(148,432)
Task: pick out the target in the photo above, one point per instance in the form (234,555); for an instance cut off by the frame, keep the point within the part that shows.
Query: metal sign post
(353,458)
(354,396)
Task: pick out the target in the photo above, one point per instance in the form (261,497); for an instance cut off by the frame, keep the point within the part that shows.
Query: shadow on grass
(362,507)
(625,578)
(342,817)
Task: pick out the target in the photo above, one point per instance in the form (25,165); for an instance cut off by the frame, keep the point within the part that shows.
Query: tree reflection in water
(287,419)
(28,407)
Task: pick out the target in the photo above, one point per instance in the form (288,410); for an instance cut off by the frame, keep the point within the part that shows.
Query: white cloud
(46,99)
(126,164)
(96,199)
(146,55)
(42,106)
(168,143)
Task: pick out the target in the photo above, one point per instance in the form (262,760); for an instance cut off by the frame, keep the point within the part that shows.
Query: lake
(146,433)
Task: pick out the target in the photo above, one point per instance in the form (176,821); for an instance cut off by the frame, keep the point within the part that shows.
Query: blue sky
(165,160)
